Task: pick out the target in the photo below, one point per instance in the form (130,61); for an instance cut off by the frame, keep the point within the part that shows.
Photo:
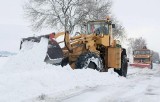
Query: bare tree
(66,14)
(139,43)
(56,13)
(100,9)
(135,44)
(155,57)
(119,31)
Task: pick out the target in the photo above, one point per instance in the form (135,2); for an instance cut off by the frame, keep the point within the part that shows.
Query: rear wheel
(124,65)
(89,60)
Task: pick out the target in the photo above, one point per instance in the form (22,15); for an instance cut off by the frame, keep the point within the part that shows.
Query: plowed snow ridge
(26,76)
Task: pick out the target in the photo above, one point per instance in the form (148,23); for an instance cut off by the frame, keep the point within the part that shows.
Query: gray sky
(13,25)
(139,17)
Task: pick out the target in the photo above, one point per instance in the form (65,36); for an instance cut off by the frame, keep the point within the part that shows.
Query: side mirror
(113,25)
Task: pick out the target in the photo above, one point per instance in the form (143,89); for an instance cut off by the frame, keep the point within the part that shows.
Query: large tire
(124,65)
(89,60)
(65,61)
(151,66)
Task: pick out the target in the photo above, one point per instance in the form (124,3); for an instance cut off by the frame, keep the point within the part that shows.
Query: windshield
(97,27)
(141,52)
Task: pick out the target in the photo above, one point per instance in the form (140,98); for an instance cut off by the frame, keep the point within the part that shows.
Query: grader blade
(140,65)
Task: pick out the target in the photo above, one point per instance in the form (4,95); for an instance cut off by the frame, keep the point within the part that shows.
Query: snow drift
(26,75)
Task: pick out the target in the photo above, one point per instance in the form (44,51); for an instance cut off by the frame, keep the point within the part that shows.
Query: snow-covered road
(141,85)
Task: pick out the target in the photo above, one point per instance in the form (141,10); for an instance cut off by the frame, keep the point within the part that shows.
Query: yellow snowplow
(93,48)
(142,58)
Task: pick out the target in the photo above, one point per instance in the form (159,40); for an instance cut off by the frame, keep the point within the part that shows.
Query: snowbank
(26,76)
(3,60)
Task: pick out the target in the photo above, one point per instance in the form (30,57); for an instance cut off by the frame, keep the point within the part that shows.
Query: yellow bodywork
(114,57)
(93,42)
(105,40)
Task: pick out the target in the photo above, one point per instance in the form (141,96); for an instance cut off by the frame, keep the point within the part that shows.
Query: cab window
(97,27)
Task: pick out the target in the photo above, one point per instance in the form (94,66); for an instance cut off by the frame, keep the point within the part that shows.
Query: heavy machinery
(95,48)
(142,58)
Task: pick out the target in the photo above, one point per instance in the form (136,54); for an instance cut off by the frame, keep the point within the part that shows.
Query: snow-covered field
(26,78)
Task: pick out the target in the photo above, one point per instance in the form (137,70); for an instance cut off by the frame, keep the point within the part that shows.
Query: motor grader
(93,48)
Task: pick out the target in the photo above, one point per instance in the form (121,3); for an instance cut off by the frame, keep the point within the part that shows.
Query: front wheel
(89,60)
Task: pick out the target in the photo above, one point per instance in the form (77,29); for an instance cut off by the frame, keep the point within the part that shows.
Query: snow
(3,60)
(61,39)
(26,78)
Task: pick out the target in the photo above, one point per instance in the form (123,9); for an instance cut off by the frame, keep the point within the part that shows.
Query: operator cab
(98,27)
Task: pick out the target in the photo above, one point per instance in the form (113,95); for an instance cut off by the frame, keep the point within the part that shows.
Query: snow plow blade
(33,39)
(141,65)
(54,54)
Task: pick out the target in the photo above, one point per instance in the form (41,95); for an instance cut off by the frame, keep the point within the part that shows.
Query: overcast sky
(139,17)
